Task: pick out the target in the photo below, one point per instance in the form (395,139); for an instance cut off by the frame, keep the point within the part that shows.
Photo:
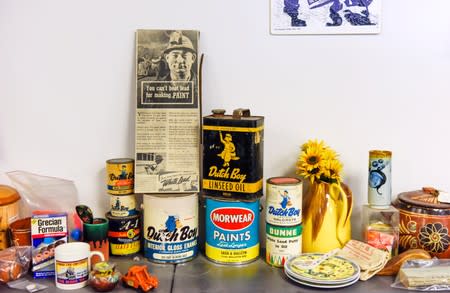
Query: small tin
(282,243)
(284,201)
(120,176)
(233,155)
(123,205)
(170,227)
(379,187)
(124,234)
(232,231)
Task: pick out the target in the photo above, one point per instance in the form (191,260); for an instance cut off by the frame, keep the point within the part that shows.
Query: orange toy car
(138,276)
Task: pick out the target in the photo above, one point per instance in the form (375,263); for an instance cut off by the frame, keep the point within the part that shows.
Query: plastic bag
(24,284)
(424,275)
(14,263)
(39,192)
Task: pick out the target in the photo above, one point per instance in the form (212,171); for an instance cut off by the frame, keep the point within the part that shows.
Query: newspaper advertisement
(168,112)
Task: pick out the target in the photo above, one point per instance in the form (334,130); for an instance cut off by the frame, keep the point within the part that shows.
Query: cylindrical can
(282,243)
(120,176)
(124,234)
(123,205)
(170,227)
(284,201)
(231,230)
(380,189)
(233,155)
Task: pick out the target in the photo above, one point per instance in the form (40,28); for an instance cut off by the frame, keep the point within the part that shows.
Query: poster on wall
(167,147)
(325,17)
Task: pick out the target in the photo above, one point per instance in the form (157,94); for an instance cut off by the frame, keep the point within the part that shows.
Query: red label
(232,218)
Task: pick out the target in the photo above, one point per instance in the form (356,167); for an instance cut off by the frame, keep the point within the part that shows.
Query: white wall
(67,86)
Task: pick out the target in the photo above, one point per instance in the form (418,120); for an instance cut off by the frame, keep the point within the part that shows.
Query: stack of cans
(283,219)
(232,185)
(124,219)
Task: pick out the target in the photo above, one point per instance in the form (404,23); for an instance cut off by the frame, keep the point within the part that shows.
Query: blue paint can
(232,231)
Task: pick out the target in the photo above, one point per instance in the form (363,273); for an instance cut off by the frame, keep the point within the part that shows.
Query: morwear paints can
(282,243)
(124,234)
(233,155)
(120,176)
(232,231)
(379,187)
(123,205)
(284,201)
(170,227)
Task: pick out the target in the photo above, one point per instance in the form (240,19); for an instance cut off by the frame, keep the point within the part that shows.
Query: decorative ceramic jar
(424,222)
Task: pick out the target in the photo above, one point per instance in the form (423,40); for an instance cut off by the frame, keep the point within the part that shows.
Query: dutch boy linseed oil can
(233,155)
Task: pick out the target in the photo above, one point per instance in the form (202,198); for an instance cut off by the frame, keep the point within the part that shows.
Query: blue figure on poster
(291,8)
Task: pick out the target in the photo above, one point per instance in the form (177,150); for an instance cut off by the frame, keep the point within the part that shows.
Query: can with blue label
(284,201)
(232,231)
(170,227)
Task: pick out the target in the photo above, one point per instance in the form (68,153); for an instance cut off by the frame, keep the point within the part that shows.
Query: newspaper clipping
(168,112)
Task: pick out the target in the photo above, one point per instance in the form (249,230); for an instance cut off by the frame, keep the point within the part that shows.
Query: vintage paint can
(284,201)
(120,176)
(282,243)
(380,189)
(123,205)
(124,234)
(170,227)
(233,155)
(232,231)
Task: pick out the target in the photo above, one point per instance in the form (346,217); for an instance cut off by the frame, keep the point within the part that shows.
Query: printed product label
(232,231)
(233,159)
(123,205)
(282,243)
(72,272)
(124,235)
(47,232)
(171,228)
(120,178)
(284,205)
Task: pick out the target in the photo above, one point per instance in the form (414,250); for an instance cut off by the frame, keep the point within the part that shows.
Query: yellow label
(125,248)
(120,178)
(235,129)
(232,186)
(232,256)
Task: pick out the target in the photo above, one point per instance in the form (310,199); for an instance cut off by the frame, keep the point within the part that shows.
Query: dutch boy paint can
(379,187)
(232,231)
(123,205)
(170,227)
(284,201)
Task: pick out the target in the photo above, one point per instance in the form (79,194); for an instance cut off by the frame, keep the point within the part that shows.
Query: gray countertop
(202,275)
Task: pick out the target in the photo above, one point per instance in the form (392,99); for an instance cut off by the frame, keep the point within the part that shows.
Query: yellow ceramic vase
(326,217)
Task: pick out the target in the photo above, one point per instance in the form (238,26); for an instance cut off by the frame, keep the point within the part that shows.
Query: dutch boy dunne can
(379,187)
(170,227)
(284,201)
(233,155)
(231,229)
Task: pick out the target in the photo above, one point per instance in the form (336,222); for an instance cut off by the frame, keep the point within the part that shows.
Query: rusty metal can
(233,155)
(284,201)
(120,176)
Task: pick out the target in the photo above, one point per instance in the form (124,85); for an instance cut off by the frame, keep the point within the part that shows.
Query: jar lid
(427,197)
(8,195)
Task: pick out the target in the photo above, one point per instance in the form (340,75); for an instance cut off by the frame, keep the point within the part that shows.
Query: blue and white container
(170,227)
(380,189)
(232,231)
(284,201)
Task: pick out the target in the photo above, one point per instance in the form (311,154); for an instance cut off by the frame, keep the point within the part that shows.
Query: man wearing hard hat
(180,56)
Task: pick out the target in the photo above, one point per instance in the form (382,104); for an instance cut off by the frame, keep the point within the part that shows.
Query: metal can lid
(241,112)
(8,195)
(120,161)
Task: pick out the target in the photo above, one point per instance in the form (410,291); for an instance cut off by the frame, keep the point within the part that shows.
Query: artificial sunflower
(318,162)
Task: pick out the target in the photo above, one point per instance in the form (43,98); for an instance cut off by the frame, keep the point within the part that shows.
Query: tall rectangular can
(233,155)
